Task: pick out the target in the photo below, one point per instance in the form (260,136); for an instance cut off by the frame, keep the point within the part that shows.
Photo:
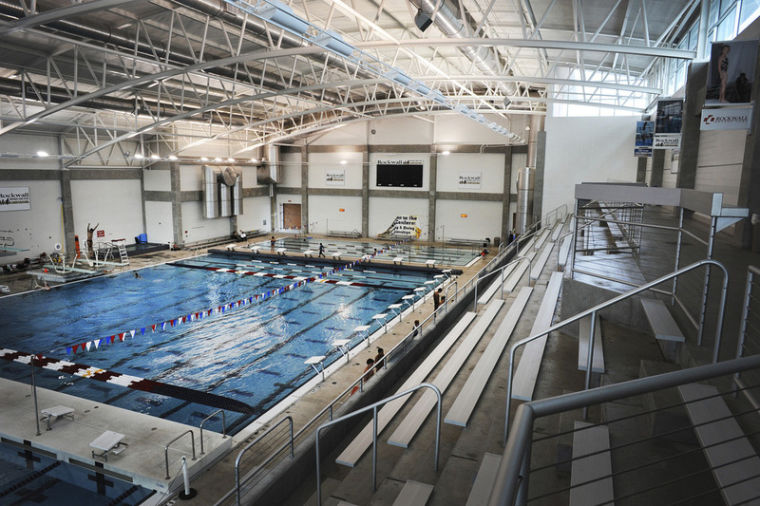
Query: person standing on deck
(321,250)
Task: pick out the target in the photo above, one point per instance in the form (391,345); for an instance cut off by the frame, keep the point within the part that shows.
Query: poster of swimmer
(644,137)
(731,72)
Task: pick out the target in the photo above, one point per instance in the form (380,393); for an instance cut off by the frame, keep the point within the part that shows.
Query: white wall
(39,228)
(255,214)
(334,213)
(489,166)
(116,204)
(719,163)
(157,180)
(197,228)
(158,221)
(290,170)
(406,130)
(190,177)
(467,219)
(383,210)
(321,163)
(586,149)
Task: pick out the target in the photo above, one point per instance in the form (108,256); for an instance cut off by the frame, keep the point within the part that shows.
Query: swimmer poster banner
(731,72)
(15,199)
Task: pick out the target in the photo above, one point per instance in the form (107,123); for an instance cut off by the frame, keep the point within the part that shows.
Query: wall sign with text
(729,118)
(15,199)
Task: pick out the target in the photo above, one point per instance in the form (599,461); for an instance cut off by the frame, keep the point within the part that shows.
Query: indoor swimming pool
(251,353)
(410,252)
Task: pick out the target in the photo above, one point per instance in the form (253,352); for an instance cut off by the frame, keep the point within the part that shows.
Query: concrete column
(506,196)
(66,204)
(272,207)
(538,178)
(431,194)
(365,191)
(749,186)
(692,116)
(641,170)
(304,188)
(658,164)
(175,188)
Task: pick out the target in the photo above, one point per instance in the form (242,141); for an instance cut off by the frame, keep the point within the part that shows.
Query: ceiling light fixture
(138,156)
(204,159)
(155,157)
(42,154)
(172,158)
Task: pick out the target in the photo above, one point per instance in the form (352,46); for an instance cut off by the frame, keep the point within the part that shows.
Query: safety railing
(209,417)
(253,443)
(417,332)
(594,310)
(501,270)
(166,448)
(373,407)
(652,473)
(749,332)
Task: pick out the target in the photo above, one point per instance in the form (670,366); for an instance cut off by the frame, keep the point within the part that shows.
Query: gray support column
(304,188)
(658,164)
(696,83)
(749,186)
(175,188)
(66,204)
(433,180)
(538,186)
(641,170)
(272,207)
(365,191)
(506,200)
(142,194)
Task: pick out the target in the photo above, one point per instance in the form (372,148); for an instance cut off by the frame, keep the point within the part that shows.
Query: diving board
(583,338)
(524,381)
(731,456)
(538,264)
(417,415)
(356,448)
(500,279)
(460,411)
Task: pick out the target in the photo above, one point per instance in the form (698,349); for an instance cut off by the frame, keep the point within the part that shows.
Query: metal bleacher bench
(730,454)
(464,242)
(665,328)
(109,441)
(414,493)
(484,481)
(591,476)
(337,233)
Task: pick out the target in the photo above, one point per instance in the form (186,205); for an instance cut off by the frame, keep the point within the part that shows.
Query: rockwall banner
(730,118)
(335,177)
(15,199)
(469,179)
(667,129)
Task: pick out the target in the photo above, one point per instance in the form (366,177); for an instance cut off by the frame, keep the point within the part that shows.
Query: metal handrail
(501,269)
(267,461)
(166,448)
(516,452)
(374,407)
(209,417)
(593,310)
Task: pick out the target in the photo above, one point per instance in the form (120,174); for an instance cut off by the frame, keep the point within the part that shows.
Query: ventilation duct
(269,170)
(222,192)
(210,194)
(525,182)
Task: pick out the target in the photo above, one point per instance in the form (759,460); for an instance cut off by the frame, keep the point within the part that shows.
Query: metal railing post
(251,444)
(374,448)
(166,448)
(745,315)
(590,357)
(678,254)
(224,425)
(710,243)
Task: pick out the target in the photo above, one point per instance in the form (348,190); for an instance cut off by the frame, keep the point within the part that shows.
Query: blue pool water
(32,478)
(254,353)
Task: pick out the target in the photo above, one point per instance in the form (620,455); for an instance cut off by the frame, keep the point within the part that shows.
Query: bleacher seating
(414,493)
(591,476)
(484,480)
(583,338)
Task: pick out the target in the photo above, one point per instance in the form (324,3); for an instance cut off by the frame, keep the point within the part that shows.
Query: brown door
(291,216)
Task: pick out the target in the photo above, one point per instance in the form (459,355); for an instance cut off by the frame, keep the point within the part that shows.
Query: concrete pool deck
(142,462)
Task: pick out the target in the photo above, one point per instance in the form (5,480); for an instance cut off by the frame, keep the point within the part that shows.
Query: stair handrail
(267,461)
(373,407)
(593,310)
(512,471)
(501,269)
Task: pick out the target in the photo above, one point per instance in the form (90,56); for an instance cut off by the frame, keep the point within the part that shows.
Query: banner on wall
(469,179)
(731,71)
(667,128)
(403,226)
(644,138)
(335,177)
(15,199)
(730,118)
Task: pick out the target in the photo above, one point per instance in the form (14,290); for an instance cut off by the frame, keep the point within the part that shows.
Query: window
(750,9)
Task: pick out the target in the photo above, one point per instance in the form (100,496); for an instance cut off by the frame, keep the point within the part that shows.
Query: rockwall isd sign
(726,119)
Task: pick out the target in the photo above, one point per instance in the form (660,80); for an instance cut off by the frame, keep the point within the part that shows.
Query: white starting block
(342,346)
(317,360)
(255,248)
(398,260)
(230,247)
(109,441)
(336,255)
(50,415)
(366,258)
(430,263)
(308,253)
(281,251)
(420,289)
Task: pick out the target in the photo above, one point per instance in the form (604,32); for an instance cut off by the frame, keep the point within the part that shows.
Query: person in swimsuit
(723,71)
(90,231)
